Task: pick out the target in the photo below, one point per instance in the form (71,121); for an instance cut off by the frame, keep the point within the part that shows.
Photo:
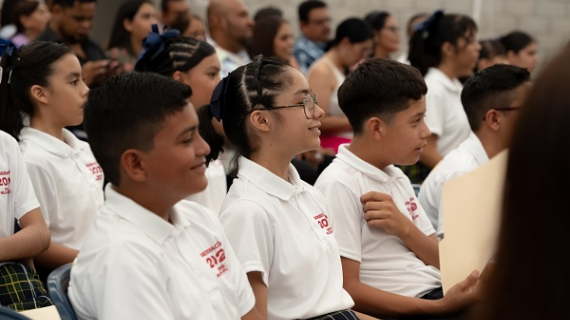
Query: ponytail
(208,132)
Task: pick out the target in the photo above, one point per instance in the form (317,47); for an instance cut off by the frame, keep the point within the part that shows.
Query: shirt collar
(352,160)
(151,224)
(475,147)
(268,181)
(307,41)
(52,144)
(451,85)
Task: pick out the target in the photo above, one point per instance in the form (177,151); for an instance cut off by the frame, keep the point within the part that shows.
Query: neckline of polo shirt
(267,180)
(346,156)
(152,225)
(475,147)
(451,85)
(52,144)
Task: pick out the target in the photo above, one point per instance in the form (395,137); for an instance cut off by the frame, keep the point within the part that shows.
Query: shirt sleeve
(130,272)
(435,110)
(44,190)
(347,215)
(250,233)
(24,197)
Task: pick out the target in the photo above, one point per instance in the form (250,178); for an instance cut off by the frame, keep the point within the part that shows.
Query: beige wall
(547,20)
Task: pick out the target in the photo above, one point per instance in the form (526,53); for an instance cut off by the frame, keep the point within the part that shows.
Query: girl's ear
(39,94)
(448,49)
(260,121)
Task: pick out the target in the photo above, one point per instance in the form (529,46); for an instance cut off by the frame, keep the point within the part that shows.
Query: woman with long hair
(273,37)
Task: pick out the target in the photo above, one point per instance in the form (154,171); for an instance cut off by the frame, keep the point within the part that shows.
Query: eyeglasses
(393,29)
(308,105)
(321,22)
(505,109)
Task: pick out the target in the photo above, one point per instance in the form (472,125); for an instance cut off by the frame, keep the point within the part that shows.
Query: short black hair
(516,41)
(164,4)
(126,112)
(379,87)
(489,89)
(70,3)
(306,7)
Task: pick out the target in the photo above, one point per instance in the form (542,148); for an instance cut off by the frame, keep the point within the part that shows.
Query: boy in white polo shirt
(151,255)
(20,288)
(387,245)
(491,99)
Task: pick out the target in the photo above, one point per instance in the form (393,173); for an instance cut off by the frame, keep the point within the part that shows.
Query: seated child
(20,287)
(491,99)
(151,255)
(388,248)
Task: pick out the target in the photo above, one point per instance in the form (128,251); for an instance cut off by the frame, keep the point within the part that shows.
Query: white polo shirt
(67,180)
(213,196)
(468,156)
(135,265)
(282,230)
(445,116)
(385,261)
(16,192)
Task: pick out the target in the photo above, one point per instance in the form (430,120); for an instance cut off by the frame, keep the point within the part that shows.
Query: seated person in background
(170,10)
(31,18)
(20,286)
(388,247)
(492,53)
(521,48)
(315,27)
(491,99)
(150,255)
(191,26)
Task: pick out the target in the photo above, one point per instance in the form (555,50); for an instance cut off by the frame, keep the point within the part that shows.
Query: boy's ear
(132,164)
(375,128)
(259,121)
(493,120)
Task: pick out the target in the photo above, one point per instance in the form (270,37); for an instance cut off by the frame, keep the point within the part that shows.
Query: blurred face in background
(284,42)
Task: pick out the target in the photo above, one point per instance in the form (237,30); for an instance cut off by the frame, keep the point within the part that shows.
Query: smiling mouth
(202,164)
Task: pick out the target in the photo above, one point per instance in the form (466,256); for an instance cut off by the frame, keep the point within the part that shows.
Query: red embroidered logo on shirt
(412,207)
(323,222)
(96,170)
(5,182)
(215,257)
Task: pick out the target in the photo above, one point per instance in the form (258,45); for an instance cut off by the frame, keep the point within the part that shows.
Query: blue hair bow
(218,101)
(154,43)
(8,48)
(422,27)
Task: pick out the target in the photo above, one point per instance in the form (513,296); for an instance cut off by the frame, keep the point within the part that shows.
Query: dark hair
(30,65)
(426,43)
(165,3)
(355,29)
(244,90)
(489,89)
(69,3)
(264,33)
(181,23)
(379,87)
(306,7)
(491,48)
(516,41)
(7,12)
(269,11)
(23,8)
(174,54)
(377,19)
(411,20)
(120,37)
(126,112)
(530,278)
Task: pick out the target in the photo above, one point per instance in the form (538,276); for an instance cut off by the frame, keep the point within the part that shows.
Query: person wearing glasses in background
(386,33)
(315,26)
(491,99)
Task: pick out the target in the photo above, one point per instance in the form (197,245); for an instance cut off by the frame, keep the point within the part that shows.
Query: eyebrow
(304,91)
(74,75)
(189,129)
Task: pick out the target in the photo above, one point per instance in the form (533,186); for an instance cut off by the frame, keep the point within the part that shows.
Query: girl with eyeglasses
(386,33)
(277,224)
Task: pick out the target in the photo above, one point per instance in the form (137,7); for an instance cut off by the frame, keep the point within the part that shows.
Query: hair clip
(218,101)
(424,26)
(154,43)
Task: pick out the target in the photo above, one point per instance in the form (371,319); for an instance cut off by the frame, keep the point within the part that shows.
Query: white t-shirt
(135,265)
(213,196)
(282,230)
(445,116)
(16,192)
(468,156)
(385,261)
(67,180)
